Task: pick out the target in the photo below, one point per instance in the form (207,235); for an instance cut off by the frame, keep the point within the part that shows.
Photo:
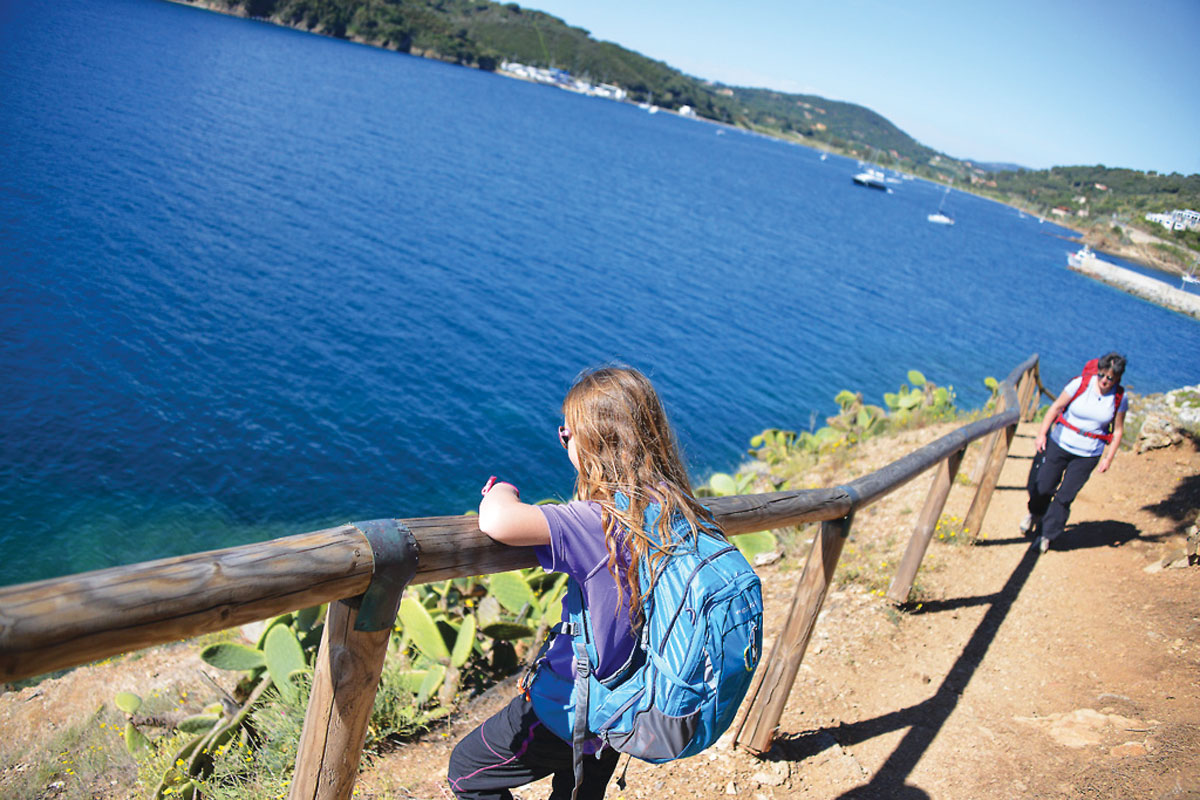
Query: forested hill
(483,34)
(1101,190)
(1099,195)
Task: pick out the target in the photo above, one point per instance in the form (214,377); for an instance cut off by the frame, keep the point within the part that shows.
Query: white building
(562,79)
(1177,220)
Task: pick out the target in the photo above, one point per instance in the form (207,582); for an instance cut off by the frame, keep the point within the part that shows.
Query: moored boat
(1080,256)
(871,178)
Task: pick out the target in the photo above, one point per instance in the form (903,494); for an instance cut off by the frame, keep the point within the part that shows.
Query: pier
(1140,285)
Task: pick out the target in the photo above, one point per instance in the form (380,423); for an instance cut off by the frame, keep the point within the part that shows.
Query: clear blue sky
(1034,82)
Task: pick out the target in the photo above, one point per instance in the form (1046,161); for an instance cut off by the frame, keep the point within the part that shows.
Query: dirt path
(1071,674)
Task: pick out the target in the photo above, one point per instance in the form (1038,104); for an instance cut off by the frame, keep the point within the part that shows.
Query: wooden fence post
(757,727)
(1023,392)
(935,501)
(989,445)
(353,647)
(349,664)
(1035,395)
(987,485)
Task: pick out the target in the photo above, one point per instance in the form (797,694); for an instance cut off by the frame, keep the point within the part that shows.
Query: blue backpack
(699,646)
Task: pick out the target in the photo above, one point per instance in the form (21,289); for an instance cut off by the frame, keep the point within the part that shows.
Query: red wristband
(492,483)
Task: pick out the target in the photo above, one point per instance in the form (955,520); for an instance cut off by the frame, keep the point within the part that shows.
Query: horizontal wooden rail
(63,622)
(768,696)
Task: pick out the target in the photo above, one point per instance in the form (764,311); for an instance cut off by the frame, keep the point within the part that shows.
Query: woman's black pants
(1054,479)
(512,749)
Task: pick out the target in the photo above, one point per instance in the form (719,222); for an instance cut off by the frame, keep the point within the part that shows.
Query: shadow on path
(1181,504)
(926,718)
(1098,533)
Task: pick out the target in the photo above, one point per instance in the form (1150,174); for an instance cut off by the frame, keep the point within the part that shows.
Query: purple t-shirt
(577,548)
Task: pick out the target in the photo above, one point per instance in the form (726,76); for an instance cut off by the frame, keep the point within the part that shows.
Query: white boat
(1077,258)
(939,217)
(871,178)
(1190,277)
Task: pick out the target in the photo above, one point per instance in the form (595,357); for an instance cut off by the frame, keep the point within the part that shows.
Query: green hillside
(482,34)
(1105,194)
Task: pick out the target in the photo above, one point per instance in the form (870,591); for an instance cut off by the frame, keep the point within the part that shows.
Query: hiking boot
(1043,544)
(1030,525)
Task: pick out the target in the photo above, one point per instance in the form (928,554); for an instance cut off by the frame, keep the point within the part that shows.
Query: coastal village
(561,79)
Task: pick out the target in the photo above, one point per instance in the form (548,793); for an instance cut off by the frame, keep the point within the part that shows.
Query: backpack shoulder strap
(583,673)
(1090,369)
(1085,379)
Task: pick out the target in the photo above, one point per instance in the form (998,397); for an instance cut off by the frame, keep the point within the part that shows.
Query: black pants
(512,749)
(1054,479)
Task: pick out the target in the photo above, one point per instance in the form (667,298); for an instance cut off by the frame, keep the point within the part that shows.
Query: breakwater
(1140,285)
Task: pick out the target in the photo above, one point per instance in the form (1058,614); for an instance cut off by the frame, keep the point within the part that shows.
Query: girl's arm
(503,517)
(1118,432)
(1061,402)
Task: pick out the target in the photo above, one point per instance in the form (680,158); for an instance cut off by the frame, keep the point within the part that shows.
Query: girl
(617,437)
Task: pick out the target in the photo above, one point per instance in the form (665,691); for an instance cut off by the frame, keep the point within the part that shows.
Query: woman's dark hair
(1114,362)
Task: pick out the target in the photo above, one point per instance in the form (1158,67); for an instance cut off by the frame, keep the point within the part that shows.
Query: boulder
(1158,431)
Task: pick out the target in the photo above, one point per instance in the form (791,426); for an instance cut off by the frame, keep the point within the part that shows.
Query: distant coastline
(1119,238)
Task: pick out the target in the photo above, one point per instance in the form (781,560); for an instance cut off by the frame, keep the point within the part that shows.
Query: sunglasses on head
(564,436)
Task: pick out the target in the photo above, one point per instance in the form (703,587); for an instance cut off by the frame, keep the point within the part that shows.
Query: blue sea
(257,282)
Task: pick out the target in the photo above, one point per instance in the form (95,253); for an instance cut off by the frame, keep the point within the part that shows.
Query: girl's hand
(503,517)
(1105,463)
(1040,442)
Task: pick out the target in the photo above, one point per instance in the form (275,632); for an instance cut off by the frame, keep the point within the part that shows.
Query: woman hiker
(1081,432)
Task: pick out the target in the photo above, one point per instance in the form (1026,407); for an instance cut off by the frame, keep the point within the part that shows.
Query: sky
(1035,83)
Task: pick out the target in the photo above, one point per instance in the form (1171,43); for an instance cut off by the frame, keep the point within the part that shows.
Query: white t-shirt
(1091,411)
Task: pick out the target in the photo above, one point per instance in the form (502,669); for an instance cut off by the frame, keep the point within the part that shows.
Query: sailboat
(940,217)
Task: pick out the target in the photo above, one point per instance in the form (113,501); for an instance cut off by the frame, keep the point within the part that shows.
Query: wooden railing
(72,620)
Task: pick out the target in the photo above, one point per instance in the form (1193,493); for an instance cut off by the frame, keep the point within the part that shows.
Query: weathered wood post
(988,447)
(349,663)
(1024,389)
(983,495)
(757,727)
(1035,395)
(935,501)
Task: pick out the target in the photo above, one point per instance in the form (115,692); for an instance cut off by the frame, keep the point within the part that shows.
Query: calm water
(256,282)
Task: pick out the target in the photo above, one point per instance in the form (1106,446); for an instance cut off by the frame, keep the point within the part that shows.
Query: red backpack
(1085,379)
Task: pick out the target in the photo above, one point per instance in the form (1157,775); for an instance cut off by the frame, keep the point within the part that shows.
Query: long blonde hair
(625,446)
